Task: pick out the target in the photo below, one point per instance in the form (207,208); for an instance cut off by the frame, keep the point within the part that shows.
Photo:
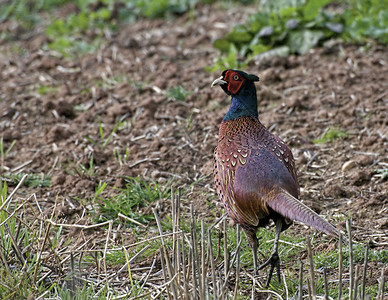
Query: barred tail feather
(290,207)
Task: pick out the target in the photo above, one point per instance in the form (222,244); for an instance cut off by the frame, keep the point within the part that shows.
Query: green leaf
(57,28)
(302,41)
(312,8)
(288,12)
(259,48)
(103,14)
(239,34)
(222,44)
(257,21)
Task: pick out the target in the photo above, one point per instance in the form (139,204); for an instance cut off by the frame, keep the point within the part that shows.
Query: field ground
(141,106)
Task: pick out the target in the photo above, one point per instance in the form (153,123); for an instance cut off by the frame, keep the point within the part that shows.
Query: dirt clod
(335,191)
(65,109)
(360,177)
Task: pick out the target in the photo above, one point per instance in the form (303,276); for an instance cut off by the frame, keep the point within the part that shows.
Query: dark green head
(241,87)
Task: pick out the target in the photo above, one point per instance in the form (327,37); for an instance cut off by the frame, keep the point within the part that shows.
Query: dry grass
(187,262)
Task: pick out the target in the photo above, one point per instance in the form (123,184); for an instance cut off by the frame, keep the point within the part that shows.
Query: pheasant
(254,171)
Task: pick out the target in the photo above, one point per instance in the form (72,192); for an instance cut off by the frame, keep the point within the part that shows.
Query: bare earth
(300,98)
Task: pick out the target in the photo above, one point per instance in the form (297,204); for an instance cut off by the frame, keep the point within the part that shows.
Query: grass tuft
(133,201)
(334,133)
(177,93)
(31,180)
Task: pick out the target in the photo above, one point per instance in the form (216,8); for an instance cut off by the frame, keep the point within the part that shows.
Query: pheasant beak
(218,81)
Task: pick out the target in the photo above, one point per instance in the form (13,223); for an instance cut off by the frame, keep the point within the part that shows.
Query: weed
(80,169)
(140,86)
(46,89)
(4,152)
(162,8)
(66,34)
(228,61)
(69,46)
(88,169)
(190,122)
(119,156)
(365,20)
(104,139)
(26,12)
(177,93)
(331,135)
(302,25)
(383,174)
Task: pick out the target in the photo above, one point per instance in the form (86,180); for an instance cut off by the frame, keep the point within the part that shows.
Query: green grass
(177,93)
(27,12)
(46,89)
(5,152)
(298,25)
(332,134)
(132,200)
(138,195)
(330,259)
(84,170)
(106,139)
(121,155)
(32,180)
(103,137)
(68,35)
(66,292)
(18,253)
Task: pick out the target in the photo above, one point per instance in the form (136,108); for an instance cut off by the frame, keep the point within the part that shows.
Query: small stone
(155,174)
(348,165)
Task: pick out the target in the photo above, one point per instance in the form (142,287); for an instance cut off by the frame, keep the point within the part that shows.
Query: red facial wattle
(235,81)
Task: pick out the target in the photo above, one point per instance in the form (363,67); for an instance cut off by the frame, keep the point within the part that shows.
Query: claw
(274,261)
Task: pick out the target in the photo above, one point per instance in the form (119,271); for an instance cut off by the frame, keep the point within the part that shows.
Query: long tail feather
(290,207)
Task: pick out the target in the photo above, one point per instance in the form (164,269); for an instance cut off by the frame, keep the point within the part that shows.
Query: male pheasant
(254,171)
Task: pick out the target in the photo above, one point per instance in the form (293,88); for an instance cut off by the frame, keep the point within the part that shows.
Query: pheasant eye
(235,77)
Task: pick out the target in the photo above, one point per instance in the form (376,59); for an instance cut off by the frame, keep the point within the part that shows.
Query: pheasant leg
(253,243)
(274,260)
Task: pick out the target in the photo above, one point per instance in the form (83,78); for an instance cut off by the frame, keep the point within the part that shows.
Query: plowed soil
(58,129)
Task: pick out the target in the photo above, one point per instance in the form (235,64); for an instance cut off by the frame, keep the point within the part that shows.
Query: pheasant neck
(244,104)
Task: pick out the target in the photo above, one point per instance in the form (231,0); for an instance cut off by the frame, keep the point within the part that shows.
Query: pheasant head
(241,87)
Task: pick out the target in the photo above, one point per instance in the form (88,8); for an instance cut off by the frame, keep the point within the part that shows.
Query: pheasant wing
(224,180)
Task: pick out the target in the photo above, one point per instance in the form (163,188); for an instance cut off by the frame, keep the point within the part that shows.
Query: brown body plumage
(254,170)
